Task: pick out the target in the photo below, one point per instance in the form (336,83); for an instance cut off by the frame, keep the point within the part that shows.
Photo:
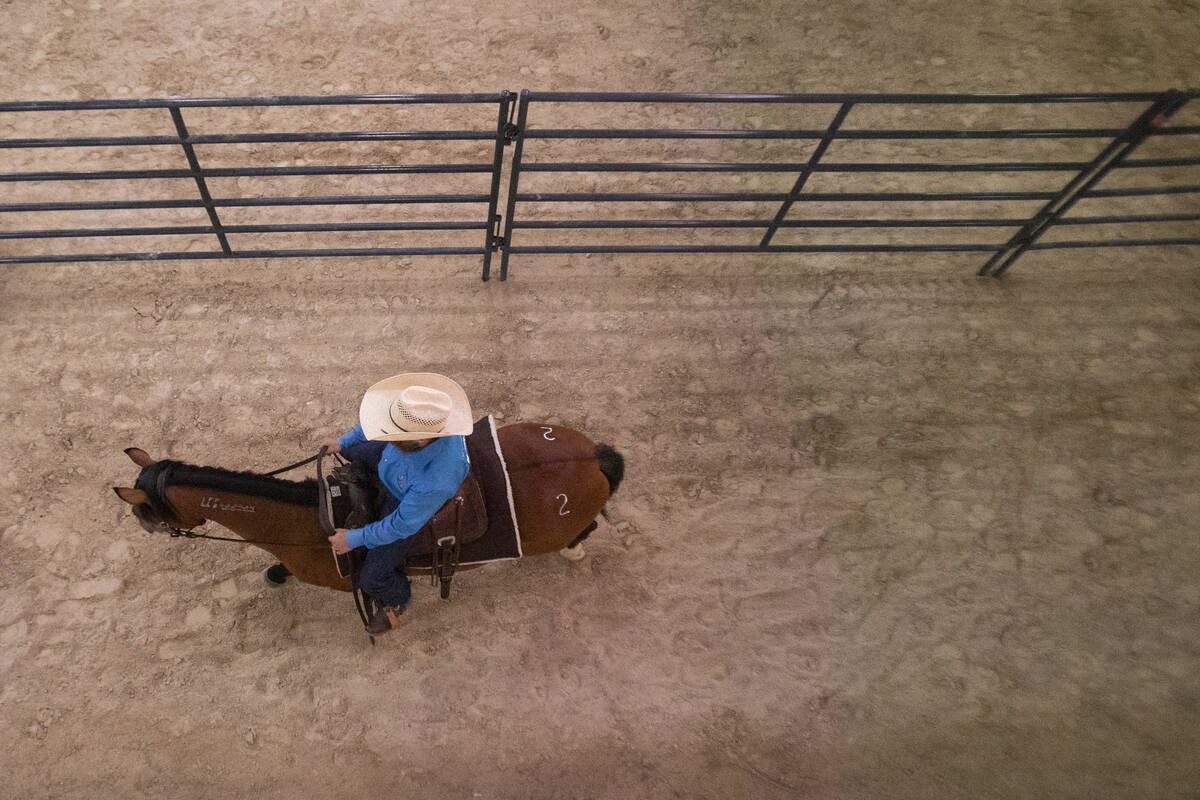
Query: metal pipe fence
(1157,110)
(1125,122)
(492,127)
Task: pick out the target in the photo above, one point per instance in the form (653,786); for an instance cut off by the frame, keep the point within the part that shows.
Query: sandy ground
(888,530)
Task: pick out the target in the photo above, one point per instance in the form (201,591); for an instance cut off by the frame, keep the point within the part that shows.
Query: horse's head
(154,514)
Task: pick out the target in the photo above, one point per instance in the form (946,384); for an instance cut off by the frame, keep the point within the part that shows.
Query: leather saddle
(354,499)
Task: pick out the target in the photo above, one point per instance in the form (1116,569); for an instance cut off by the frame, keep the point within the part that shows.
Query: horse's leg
(276,576)
(574,551)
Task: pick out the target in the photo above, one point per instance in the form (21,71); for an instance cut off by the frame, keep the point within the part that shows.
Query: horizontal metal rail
(823,197)
(241,202)
(840,248)
(1120,219)
(614,224)
(753,197)
(192,230)
(566,249)
(450,169)
(247,172)
(839,98)
(320,227)
(864,134)
(999,166)
(253,138)
(197,256)
(774,248)
(1162,242)
(1141,191)
(980,222)
(244,102)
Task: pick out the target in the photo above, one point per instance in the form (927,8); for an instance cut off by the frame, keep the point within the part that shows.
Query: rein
(291,467)
(190,533)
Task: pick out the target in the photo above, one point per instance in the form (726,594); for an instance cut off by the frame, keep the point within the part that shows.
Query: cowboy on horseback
(411,433)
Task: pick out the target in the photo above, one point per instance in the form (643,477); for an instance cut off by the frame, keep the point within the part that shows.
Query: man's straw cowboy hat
(415,405)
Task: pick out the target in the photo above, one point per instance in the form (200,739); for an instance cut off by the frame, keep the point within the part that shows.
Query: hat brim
(374,413)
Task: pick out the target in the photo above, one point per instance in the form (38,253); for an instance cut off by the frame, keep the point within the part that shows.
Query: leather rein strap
(291,467)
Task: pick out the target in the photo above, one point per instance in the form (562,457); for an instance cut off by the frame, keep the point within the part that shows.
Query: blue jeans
(382,574)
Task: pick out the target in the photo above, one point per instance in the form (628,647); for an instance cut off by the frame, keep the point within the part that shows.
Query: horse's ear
(139,456)
(135,497)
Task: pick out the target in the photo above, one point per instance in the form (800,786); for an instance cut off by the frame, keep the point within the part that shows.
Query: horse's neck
(249,516)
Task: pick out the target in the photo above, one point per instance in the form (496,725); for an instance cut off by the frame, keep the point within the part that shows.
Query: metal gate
(490,127)
(1088,136)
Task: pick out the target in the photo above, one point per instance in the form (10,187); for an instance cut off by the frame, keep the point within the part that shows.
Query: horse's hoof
(275,576)
(572,553)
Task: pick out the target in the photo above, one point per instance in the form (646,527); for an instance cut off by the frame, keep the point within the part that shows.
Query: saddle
(352,498)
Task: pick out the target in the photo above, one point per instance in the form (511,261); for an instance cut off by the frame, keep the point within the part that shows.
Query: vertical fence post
(822,146)
(194,163)
(1150,121)
(493,240)
(518,135)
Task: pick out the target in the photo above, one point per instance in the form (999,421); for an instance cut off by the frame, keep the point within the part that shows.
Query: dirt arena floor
(888,530)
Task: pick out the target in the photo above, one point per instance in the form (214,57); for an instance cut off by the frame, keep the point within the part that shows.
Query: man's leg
(382,574)
(383,578)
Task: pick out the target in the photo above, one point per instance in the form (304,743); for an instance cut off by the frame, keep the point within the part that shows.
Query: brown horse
(560,483)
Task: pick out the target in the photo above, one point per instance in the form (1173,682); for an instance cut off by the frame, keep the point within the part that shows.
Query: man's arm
(415,509)
(336,444)
(351,437)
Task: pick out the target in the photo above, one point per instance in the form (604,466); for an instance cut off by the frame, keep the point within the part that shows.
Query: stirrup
(445,559)
(388,614)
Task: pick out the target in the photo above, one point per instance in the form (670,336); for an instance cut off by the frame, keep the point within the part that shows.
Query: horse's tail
(612,464)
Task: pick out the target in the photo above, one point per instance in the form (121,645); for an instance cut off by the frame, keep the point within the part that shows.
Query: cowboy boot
(384,619)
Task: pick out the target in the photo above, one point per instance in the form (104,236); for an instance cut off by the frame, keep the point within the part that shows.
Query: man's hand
(338,540)
(332,445)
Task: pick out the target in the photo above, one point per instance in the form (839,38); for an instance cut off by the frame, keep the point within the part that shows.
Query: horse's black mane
(298,493)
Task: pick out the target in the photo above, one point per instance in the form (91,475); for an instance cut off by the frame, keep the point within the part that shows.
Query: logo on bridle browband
(215,503)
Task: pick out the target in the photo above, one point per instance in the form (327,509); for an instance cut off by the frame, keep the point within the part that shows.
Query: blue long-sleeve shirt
(423,481)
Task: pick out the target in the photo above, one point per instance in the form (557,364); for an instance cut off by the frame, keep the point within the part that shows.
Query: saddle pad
(501,540)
